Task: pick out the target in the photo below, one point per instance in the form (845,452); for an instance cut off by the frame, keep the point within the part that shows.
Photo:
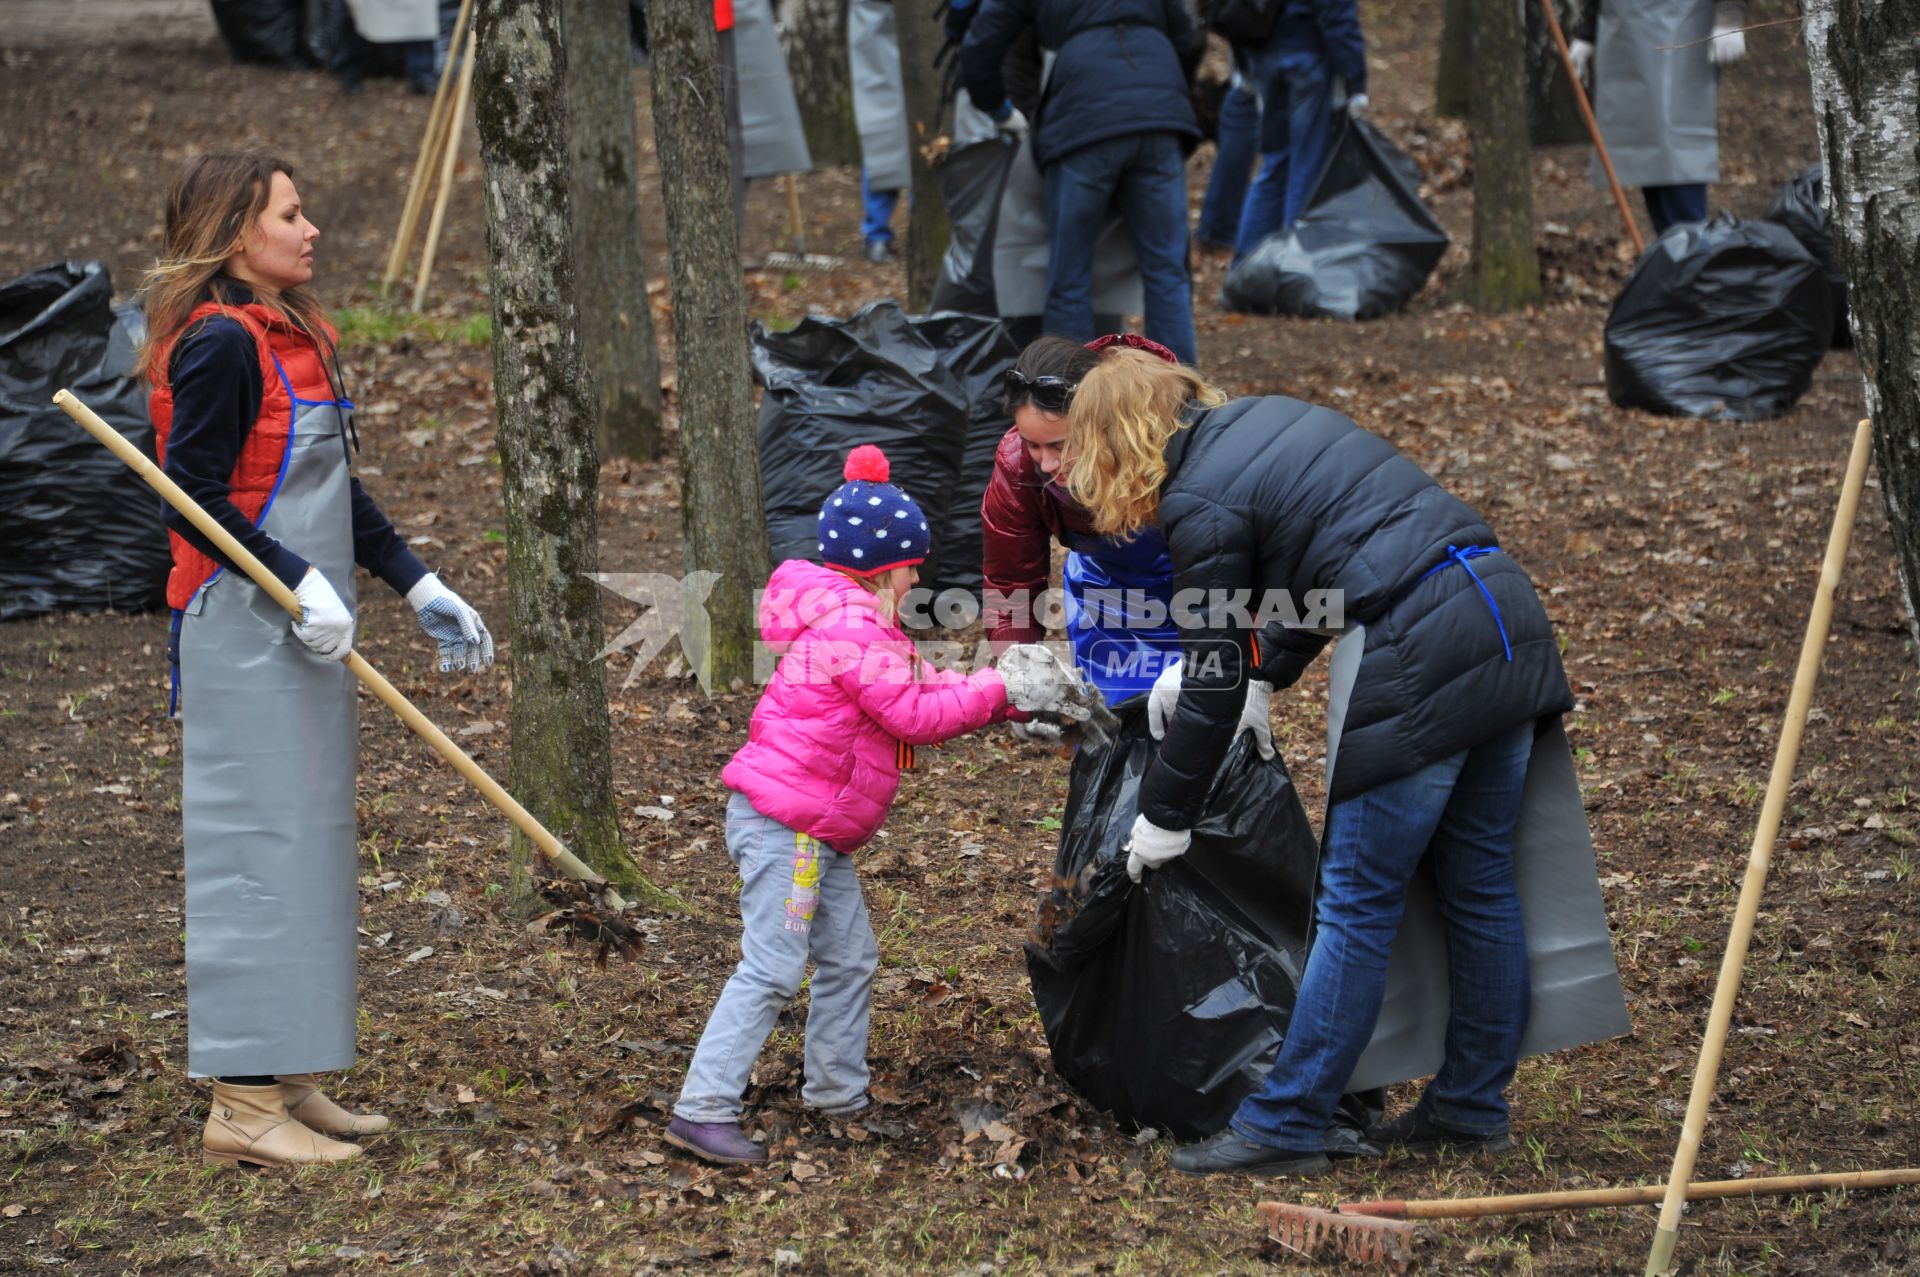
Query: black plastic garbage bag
(924,388)
(1166,1003)
(79,531)
(1363,247)
(1800,208)
(267,32)
(972,181)
(1723,319)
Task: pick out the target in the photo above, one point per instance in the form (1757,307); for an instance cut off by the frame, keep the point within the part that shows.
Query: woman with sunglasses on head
(249,419)
(1456,669)
(1118,592)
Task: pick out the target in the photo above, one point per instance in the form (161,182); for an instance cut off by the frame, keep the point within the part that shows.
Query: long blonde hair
(1118,426)
(211,205)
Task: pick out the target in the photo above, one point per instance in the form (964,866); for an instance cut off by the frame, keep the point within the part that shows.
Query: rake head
(1311,1232)
(810,263)
(584,913)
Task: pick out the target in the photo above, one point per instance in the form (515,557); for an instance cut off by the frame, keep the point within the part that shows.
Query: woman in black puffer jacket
(1280,515)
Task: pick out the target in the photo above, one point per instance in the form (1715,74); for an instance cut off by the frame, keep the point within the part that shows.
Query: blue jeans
(876,211)
(1669,204)
(1239,147)
(1460,813)
(1296,126)
(1145,176)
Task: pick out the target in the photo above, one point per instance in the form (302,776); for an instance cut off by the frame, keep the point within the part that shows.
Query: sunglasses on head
(1048,394)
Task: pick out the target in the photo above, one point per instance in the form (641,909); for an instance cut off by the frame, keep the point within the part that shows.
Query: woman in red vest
(251,420)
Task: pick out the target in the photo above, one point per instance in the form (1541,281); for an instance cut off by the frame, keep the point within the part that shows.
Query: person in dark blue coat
(1314,59)
(1108,131)
(1271,502)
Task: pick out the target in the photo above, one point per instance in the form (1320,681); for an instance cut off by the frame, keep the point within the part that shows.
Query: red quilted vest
(291,368)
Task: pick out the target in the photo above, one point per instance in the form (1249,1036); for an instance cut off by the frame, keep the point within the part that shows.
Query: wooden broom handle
(1593,126)
(242,558)
(1786,755)
(1644,1195)
(428,159)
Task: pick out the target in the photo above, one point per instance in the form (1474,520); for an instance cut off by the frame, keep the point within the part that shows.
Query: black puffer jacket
(1277,495)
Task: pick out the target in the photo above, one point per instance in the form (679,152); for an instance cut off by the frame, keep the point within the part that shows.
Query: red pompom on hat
(867,464)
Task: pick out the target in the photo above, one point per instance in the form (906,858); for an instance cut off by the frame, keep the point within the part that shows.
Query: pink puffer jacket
(846,705)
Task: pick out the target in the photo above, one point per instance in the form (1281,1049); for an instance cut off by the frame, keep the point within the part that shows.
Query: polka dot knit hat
(868,525)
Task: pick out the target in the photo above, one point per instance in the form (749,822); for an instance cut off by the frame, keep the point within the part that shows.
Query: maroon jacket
(1021,515)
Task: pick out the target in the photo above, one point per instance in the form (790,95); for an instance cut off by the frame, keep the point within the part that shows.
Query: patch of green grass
(384,322)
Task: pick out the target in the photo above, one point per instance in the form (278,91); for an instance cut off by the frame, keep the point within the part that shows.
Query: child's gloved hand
(1038,683)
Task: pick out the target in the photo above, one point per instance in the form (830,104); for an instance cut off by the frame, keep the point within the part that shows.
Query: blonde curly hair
(1118,426)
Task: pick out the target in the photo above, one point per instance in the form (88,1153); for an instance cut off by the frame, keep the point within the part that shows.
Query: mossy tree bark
(1864,59)
(722,517)
(562,768)
(616,319)
(1503,272)
(928,230)
(814,36)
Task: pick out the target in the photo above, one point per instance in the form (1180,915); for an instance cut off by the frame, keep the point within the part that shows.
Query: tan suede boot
(250,1126)
(312,1109)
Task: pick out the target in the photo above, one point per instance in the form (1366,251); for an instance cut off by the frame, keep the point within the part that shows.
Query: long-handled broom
(597,917)
(1382,1232)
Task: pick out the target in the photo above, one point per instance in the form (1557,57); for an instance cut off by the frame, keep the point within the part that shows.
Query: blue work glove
(449,621)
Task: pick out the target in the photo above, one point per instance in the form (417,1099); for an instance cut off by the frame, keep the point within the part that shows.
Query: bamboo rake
(793,216)
(428,159)
(555,851)
(447,159)
(1666,1236)
(1593,126)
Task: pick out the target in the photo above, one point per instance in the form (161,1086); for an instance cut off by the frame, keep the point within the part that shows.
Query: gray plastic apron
(769,116)
(879,99)
(270,753)
(1576,985)
(1656,93)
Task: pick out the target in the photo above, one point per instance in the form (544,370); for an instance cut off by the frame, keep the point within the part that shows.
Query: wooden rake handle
(555,851)
(1593,125)
(1639,1195)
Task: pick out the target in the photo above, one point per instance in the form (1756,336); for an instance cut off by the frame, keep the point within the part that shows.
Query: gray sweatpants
(798,899)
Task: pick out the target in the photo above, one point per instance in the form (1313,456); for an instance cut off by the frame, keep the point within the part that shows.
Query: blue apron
(1114,643)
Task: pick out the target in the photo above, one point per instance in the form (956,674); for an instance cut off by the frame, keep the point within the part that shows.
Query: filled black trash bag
(973,179)
(79,531)
(1723,319)
(1800,208)
(925,389)
(267,32)
(1166,1003)
(1363,247)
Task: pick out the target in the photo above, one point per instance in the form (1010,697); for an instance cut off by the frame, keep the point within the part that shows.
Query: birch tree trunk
(1503,272)
(616,320)
(814,35)
(562,768)
(722,518)
(927,227)
(1864,59)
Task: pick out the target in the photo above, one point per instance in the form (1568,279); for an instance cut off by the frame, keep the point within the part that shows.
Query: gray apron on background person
(879,99)
(270,752)
(1656,102)
(772,140)
(1577,997)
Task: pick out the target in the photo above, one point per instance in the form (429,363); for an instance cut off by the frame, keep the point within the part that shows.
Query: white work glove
(1357,104)
(1015,123)
(1581,55)
(1036,731)
(1037,683)
(1150,847)
(1256,715)
(1161,700)
(325,625)
(449,621)
(1728,46)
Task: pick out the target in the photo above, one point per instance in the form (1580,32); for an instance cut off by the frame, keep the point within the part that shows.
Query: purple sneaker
(722,1142)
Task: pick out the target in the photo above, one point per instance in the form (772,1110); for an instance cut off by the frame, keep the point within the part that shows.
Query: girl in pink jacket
(837,724)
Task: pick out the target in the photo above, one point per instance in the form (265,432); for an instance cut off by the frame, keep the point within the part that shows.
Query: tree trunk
(562,767)
(1503,272)
(722,518)
(616,319)
(814,35)
(1453,78)
(927,228)
(1866,97)
(1553,117)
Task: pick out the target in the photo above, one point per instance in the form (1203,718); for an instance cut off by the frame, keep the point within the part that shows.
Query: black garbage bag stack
(1166,1003)
(924,388)
(1363,247)
(1800,208)
(1723,319)
(973,178)
(79,531)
